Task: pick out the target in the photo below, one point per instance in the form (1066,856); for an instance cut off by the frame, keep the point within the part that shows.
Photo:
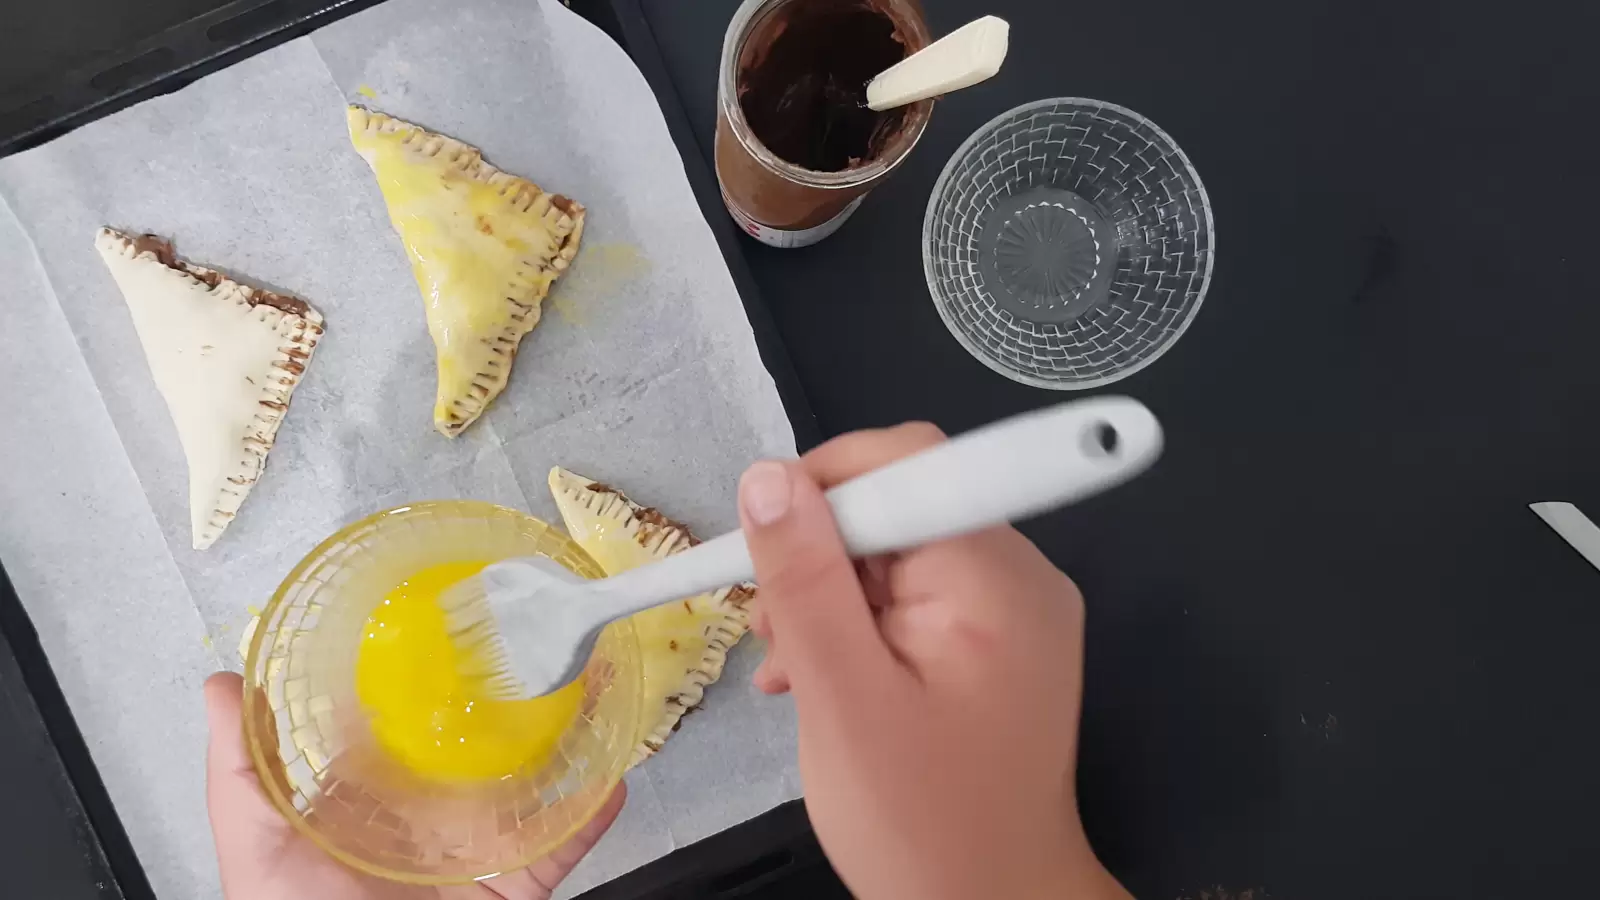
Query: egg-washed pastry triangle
(485,246)
(683,644)
(225,357)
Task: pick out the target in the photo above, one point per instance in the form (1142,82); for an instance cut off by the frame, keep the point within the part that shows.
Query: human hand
(262,857)
(938,691)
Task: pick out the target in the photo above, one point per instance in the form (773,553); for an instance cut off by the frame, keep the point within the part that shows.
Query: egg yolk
(438,721)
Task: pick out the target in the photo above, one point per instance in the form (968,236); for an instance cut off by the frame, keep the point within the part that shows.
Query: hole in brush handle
(1102,439)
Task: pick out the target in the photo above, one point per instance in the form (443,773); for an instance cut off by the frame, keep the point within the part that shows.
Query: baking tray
(62,838)
(115,54)
(69,62)
(54,79)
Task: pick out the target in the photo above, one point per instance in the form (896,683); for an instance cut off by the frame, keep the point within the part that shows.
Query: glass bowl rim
(255,695)
(948,172)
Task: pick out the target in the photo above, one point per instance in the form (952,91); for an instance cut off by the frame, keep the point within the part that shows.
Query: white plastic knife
(962,58)
(1570,522)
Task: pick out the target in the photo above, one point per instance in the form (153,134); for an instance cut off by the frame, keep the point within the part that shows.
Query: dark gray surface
(66,63)
(1331,652)
(58,836)
(40,40)
(43,815)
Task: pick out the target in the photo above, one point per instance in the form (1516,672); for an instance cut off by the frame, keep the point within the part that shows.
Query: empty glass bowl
(313,745)
(1068,243)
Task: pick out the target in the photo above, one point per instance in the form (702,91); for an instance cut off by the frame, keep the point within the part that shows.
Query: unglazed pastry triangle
(485,247)
(684,644)
(226,358)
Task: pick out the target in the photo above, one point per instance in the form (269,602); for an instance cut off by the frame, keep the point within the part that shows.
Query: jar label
(779,237)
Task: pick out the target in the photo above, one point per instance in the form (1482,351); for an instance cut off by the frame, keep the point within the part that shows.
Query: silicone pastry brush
(533,624)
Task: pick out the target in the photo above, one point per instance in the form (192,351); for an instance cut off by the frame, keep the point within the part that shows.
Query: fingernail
(764,492)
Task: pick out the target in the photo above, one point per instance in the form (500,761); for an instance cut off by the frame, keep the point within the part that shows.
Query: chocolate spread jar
(797,149)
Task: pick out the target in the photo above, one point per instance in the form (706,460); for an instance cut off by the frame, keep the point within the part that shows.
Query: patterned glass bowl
(1068,243)
(314,748)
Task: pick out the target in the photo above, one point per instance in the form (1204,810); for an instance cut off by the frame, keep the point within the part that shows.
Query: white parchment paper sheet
(643,374)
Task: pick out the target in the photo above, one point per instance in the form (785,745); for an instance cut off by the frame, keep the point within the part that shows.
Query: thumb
(241,816)
(226,755)
(813,601)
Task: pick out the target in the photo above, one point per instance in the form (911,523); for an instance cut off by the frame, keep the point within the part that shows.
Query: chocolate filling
(161,249)
(649,516)
(803,82)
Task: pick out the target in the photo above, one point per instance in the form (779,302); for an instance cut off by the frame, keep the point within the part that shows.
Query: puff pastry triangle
(685,643)
(485,246)
(226,358)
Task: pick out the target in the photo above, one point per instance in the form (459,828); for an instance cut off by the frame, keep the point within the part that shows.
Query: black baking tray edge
(41,741)
(37,112)
(774,854)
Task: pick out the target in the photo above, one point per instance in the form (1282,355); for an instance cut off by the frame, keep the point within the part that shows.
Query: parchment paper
(643,374)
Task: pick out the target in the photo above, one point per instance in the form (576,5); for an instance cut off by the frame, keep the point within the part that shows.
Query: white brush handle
(1002,472)
(962,58)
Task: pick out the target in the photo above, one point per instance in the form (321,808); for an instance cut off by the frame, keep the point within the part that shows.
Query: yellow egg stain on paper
(427,713)
(600,271)
(367,92)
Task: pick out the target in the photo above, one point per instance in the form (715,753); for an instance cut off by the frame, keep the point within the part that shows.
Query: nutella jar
(797,149)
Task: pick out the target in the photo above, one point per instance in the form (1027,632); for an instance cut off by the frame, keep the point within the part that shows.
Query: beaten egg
(430,715)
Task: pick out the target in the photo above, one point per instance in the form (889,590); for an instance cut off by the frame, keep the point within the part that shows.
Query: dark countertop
(1331,652)
(59,837)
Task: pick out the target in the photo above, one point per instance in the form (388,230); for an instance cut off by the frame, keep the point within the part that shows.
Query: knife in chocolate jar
(962,58)
(799,141)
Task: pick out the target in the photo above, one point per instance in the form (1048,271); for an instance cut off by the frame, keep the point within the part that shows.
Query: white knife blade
(1575,527)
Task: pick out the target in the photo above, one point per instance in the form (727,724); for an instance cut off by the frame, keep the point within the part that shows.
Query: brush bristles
(471,627)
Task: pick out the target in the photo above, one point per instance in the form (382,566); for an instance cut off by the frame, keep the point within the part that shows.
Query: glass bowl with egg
(377,736)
